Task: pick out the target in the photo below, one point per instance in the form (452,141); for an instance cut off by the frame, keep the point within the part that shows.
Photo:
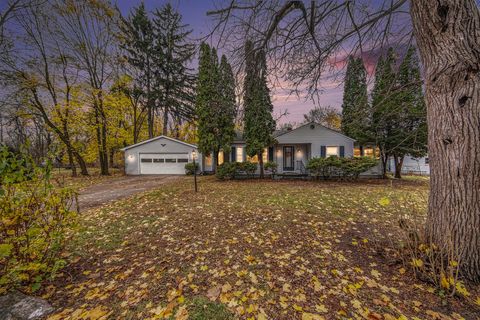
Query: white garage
(163,163)
(160,155)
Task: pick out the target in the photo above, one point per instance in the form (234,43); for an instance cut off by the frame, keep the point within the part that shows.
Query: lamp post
(194,156)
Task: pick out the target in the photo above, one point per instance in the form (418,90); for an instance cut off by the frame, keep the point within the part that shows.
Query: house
(160,155)
(293,149)
(412,165)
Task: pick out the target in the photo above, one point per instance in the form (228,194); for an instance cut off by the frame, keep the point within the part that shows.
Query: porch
(292,158)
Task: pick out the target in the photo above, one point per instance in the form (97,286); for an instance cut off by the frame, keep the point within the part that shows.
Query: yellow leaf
(384,201)
(321,308)
(297,307)
(182,313)
(417,263)
(478,301)
(375,273)
(311,316)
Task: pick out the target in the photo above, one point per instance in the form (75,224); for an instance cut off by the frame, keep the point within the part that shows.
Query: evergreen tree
(226,116)
(356,115)
(174,80)
(215,104)
(410,132)
(137,42)
(384,105)
(258,121)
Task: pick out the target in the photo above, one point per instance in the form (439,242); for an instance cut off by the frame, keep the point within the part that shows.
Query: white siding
(317,137)
(161,145)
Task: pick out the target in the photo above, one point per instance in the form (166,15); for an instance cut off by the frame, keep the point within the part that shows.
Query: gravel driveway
(118,188)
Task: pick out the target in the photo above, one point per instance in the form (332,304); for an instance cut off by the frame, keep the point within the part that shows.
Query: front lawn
(250,249)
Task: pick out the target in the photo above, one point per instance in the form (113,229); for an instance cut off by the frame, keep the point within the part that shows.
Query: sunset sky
(194,14)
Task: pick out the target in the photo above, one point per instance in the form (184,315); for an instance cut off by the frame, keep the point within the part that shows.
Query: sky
(194,14)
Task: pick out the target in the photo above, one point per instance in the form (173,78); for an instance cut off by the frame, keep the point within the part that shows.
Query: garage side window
(182,160)
(158,160)
(146,160)
(170,160)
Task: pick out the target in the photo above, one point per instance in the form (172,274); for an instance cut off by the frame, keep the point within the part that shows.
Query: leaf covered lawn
(249,250)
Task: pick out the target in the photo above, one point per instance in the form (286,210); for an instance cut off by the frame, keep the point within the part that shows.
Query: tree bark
(398,166)
(448,37)
(165,122)
(260,164)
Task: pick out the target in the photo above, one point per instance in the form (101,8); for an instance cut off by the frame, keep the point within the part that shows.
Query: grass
(64,177)
(250,250)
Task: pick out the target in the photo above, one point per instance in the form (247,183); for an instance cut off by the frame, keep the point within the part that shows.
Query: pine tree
(356,115)
(174,79)
(409,135)
(384,106)
(258,121)
(226,116)
(215,104)
(137,42)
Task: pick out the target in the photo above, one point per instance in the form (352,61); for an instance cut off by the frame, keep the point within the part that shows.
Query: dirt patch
(119,188)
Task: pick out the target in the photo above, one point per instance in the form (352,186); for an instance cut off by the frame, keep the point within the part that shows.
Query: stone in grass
(18,306)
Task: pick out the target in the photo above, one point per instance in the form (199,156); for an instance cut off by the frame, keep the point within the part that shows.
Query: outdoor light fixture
(194,156)
(131,157)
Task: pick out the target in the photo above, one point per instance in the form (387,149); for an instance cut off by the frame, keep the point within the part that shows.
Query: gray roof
(156,138)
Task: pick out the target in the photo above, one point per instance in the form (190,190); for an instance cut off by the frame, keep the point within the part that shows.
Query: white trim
(317,124)
(156,138)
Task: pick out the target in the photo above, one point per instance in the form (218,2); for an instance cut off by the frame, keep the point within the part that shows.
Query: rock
(18,306)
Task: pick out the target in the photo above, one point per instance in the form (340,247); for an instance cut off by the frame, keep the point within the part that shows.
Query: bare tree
(89,30)
(42,79)
(303,41)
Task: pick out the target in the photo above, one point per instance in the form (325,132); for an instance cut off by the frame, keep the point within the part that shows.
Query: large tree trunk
(398,166)
(448,37)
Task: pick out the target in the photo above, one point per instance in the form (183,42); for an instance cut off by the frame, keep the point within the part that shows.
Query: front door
(288,158)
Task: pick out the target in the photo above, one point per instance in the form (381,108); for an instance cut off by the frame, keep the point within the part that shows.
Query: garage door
(163,163)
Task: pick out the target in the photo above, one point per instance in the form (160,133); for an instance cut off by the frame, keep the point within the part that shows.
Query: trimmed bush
(35,216)
(271,166)
(190,168)
(227,170)
(231,170)
(346,168)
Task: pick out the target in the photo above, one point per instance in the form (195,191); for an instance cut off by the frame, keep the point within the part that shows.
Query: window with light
(239,154)
(332,151)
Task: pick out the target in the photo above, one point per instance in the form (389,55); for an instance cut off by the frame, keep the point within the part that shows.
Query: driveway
(118,188)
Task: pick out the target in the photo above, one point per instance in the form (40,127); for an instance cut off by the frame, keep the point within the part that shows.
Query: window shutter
(323,151)
(342,151)
(270,154)
(234,154)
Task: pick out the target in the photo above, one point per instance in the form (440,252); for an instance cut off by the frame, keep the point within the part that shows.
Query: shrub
(190,168)
(227,170)
(35,217)
(271,166)
(333,166)
(230,170)
(248,167)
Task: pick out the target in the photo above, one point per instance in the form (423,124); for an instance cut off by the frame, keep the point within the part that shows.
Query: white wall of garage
(164,153)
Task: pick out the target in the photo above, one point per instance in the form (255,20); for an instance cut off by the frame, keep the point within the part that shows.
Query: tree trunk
(71,162)
(398,166)
(384,159)
(260,164)
(214,161)
(448,37)
(165,122)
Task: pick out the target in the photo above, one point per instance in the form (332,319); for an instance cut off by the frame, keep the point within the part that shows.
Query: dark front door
(288,158)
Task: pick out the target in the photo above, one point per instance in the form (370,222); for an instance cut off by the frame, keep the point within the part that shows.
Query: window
(208,161)
(356,152)
(220,157)
(182,160)
(158,160)
(239,154)
(265,155)
(427,160)
(146,160)
(332,151)
(170,160)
